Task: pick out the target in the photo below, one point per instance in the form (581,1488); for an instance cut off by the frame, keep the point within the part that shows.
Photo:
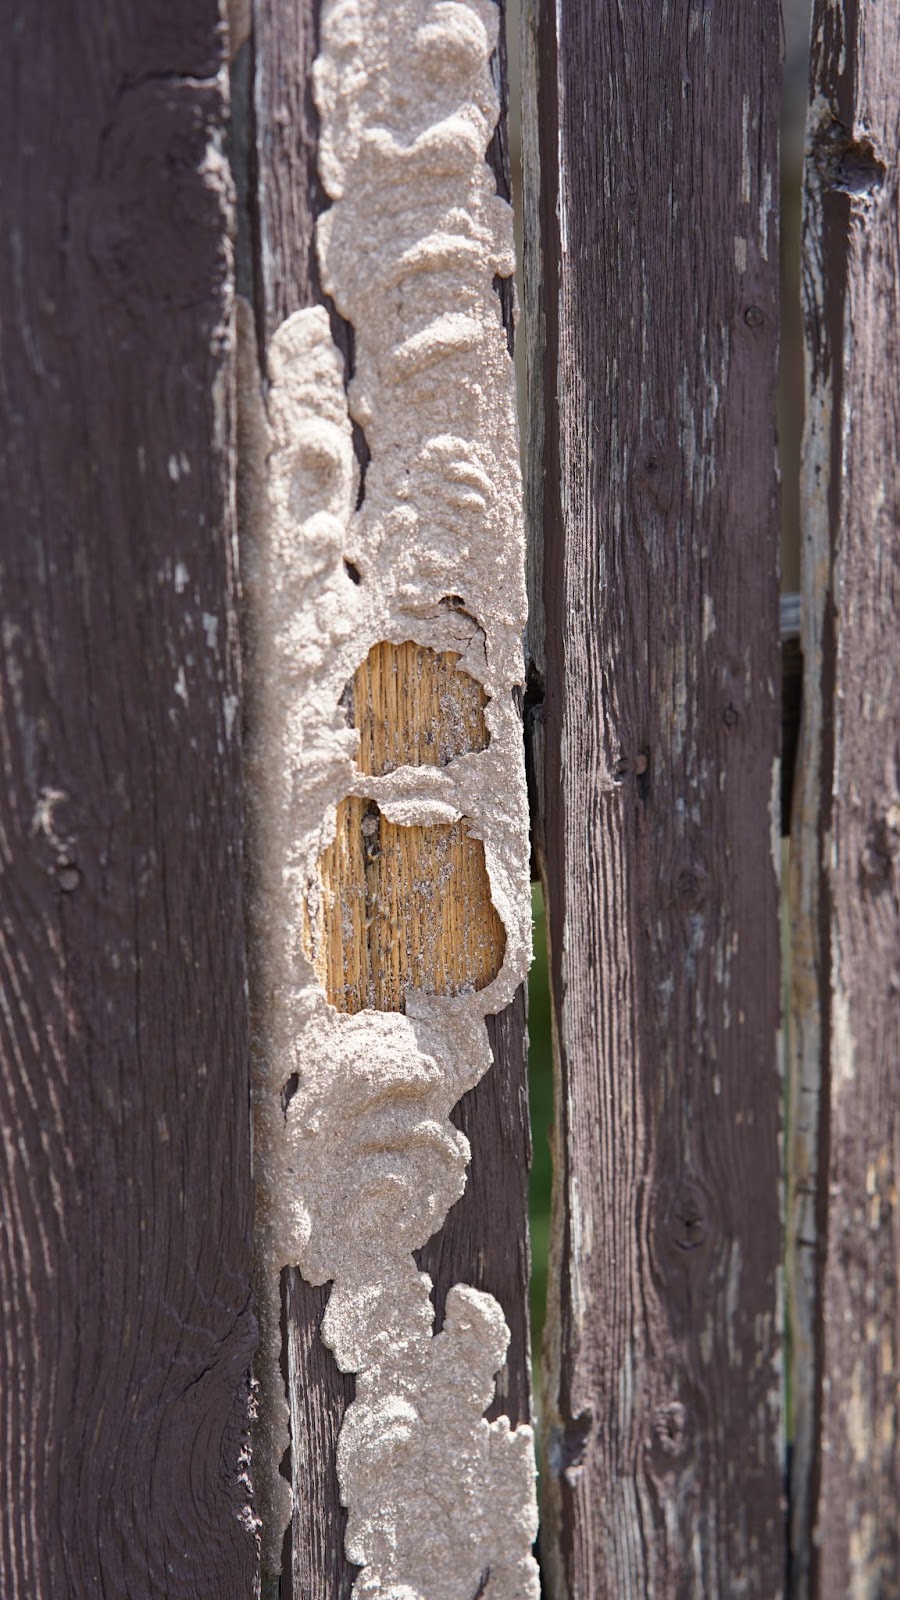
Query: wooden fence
(719,1398)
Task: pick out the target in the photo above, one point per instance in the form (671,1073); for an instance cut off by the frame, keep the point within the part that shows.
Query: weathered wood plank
(125,1190)
(652,282)
(285,199)
(846,1159)
(484,1241)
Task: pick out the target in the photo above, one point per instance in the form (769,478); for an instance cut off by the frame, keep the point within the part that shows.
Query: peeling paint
(362,1163)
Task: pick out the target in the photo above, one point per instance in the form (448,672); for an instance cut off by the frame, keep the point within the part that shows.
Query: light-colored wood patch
(405,908)
(414,708)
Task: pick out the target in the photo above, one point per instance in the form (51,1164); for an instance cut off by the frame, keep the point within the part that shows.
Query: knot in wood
(688,1220)
(68,876)
(567,1444)
(670,1429)
(882,846)
(689,884)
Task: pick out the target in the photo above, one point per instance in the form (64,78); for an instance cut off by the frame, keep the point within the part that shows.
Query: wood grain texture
(287,194)
(318,1394)
(652,225)
(846,1162)
(406,907)
(485,1239)
(125,1186)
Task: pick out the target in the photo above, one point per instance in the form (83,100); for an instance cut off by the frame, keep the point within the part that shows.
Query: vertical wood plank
(846,1167)
(126,1334)
(653,182)
(485,1239)
(285,200)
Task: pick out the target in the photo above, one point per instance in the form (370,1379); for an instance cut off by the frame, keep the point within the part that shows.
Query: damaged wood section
(460,943)
(125,1183)
(651,287)
(845,1118)
(406,907)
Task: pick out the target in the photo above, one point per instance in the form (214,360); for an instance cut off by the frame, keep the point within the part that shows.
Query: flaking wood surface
(652,270)
(846,1171)
(485,1238)
(126,1334)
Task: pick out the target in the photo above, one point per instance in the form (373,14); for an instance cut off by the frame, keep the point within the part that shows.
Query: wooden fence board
(846,1244)
(125,1190)
(652,194)
(485,1239)
(285,199)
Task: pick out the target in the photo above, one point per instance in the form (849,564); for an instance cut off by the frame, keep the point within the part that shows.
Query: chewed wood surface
(405,907)
(126,1331)
(652,272)
(414,707)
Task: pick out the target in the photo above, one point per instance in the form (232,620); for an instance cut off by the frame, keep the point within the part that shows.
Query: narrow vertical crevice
(238,151)
(796,18)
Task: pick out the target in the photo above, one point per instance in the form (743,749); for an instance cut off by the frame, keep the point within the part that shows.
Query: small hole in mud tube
(288,1090)
(352,571)
(348,704)
(457,603)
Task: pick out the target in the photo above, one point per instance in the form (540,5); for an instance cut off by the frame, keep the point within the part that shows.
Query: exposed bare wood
(401,906)
(414,707)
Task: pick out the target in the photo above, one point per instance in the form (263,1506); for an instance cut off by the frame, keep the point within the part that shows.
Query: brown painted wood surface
(126,1334)
(485,1239)
(652,282)
(846,1169)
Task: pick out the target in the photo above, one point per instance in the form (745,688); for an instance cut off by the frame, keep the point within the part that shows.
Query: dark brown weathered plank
(125,1190)
(846,1165)
(284,201)
(652,283)
(485,1239)
(287,195)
